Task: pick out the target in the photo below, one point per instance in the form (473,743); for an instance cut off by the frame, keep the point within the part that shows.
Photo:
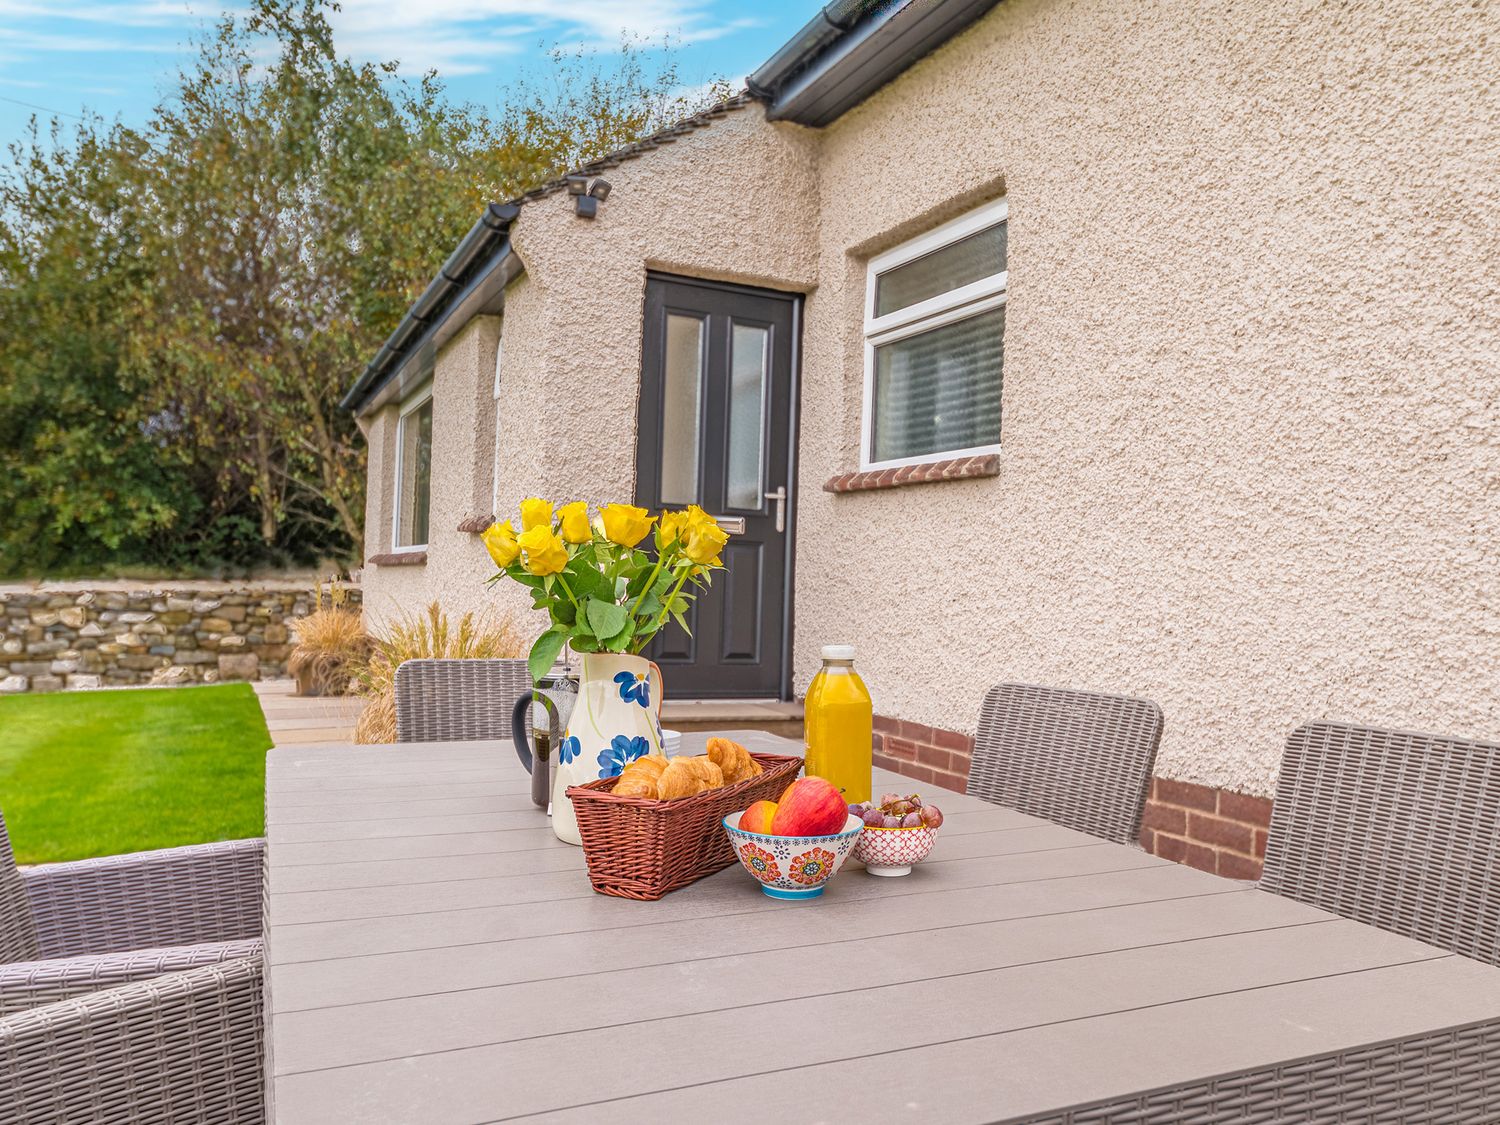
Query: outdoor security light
(587,206)
(577,185)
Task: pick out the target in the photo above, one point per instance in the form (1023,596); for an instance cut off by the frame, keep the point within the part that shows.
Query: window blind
(939,390)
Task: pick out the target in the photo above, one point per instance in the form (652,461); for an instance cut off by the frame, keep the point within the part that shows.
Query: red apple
(757,818)
(810,807)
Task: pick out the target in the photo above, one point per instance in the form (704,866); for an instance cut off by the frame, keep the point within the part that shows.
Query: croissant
(639,778)
(685,776)
(733,760)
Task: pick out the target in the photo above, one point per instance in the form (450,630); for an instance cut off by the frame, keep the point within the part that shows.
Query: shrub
(427,636)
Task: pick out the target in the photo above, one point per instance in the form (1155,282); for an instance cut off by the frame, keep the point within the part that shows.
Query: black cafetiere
(536,748)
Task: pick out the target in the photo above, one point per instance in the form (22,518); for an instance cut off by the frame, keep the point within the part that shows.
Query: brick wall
(930,754)
(1212,829)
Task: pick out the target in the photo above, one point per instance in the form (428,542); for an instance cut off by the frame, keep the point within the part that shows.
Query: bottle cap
(838,652)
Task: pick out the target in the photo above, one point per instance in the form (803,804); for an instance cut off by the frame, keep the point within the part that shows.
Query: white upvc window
(413,499)
(935,344)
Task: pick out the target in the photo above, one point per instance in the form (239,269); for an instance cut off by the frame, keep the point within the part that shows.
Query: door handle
(780,497)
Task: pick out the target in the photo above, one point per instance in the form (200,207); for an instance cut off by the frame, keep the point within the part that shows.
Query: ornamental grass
(331,647)
(427,635)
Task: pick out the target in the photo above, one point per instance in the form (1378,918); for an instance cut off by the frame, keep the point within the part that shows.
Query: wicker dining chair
(71,928)
(1391,828)
(441,700)
(1077,758)
(142,974)
(186,1047)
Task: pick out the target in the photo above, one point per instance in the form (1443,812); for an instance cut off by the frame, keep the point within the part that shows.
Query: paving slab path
(294,719)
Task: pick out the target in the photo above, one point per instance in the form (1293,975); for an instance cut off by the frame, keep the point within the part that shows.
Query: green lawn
(98,773)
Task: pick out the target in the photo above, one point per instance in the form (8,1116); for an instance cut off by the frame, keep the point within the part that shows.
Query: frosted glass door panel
(682,399)
(747,416)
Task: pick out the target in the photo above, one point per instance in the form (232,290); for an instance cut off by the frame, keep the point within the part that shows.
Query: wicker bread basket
(643,849)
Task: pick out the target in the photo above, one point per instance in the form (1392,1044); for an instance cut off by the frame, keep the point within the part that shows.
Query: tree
(247,252)
(82,476)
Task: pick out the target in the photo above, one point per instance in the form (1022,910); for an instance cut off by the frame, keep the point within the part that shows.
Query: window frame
(977,297)
(421,398)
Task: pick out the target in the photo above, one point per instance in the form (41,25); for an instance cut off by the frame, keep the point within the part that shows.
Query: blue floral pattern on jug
(620,753)
(569,749)
(633,688)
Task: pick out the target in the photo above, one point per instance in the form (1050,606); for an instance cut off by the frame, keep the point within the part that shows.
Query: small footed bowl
(893,851)
(792,866)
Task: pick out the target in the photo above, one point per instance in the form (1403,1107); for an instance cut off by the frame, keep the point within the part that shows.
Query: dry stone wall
(76,638)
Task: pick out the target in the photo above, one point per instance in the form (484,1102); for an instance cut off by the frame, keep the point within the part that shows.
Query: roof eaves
(852,49)
(483,254)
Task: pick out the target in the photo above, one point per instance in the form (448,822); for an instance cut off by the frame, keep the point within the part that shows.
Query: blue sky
(116,56)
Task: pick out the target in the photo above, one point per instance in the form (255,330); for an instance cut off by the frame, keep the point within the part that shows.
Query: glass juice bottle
(839,721)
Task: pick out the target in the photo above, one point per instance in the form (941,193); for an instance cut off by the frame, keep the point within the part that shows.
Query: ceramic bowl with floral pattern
(792,866)
(892,851)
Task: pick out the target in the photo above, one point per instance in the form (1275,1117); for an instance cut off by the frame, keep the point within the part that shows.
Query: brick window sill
(961,468)
(399,558)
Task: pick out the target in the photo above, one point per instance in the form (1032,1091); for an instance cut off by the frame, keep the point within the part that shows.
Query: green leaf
(544,653)
(621,640)
(605,618)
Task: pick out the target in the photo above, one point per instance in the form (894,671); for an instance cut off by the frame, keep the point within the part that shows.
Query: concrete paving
(294,719)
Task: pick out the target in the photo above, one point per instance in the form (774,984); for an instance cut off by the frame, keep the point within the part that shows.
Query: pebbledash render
(1249,457)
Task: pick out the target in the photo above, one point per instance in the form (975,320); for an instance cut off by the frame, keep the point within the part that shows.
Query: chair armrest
(193,895)
(31,984)
(183,1047)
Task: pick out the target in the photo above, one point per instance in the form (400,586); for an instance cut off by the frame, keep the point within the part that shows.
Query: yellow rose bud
(671,527)
(536,513)
(625,524)
(703,543)
(573,522)
(545,553)
(499,540)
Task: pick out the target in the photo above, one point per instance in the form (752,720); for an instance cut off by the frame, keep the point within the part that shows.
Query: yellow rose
(499,540)
(545,553)
(703,542)
(573,522)
(536,513)
(671,527)
(625,524)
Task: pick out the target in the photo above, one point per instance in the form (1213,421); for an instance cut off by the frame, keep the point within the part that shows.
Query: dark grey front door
(715,429)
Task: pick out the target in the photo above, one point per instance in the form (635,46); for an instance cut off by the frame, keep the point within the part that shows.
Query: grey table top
(434,954)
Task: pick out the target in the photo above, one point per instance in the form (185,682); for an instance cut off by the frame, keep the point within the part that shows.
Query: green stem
(646,589)
(563,582)
(666,605)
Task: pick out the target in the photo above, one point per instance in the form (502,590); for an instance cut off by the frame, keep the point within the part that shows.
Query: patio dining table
(434,954)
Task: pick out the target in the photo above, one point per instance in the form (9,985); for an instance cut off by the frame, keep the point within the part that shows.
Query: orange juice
(839,725)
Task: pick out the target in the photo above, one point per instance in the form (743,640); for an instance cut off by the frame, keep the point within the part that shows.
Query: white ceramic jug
(617,719)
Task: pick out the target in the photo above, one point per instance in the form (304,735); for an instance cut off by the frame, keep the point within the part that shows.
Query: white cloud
(453,37)
(130,13)
(465,36)
(51,41)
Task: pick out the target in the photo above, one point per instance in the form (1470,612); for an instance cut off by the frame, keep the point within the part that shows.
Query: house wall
(735,201)
(453,568)
(1251,442)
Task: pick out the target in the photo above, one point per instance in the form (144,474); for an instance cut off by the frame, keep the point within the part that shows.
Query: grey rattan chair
(1077,758)
(1393,829)
(130,986)
(437,700)
(185,1047)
